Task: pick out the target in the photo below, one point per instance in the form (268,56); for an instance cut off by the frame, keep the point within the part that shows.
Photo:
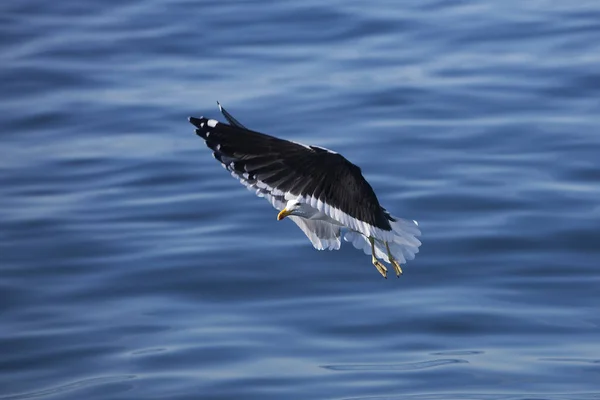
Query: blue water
(133,267)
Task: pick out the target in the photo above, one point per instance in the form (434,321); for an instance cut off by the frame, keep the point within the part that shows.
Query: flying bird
(318,189)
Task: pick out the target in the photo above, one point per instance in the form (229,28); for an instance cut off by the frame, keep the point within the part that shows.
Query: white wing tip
(212,123)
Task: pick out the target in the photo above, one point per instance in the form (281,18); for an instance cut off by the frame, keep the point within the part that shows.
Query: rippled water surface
(133,267)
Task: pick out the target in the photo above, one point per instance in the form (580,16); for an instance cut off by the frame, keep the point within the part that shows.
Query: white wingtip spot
(201,124)
(212,123)
(416,223)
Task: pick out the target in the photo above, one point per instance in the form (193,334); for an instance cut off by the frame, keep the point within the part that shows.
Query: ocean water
(133,267)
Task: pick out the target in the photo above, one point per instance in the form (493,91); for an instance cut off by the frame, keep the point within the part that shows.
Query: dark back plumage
(278,166)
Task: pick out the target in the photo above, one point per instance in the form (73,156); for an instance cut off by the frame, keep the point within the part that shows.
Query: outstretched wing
(322,235)
(281,170)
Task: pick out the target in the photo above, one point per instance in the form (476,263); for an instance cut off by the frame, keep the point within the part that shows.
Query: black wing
(275,167)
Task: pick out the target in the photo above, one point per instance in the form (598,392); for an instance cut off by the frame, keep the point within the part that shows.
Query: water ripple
(74,386)
(413,366)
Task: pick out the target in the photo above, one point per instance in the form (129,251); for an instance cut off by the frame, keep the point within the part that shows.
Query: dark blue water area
(133,267)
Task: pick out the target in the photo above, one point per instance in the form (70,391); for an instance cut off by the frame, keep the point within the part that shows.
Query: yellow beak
(284,213)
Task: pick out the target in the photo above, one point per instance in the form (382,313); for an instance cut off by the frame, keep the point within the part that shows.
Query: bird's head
(293,207)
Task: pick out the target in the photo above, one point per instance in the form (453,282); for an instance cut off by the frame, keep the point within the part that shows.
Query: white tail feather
(403,248)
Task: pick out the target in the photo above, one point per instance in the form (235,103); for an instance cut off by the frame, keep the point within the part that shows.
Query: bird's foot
(380,267)
(393,261)
(397,267)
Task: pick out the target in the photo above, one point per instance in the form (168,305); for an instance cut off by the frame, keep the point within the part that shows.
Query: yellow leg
(393,261)
(380,267)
